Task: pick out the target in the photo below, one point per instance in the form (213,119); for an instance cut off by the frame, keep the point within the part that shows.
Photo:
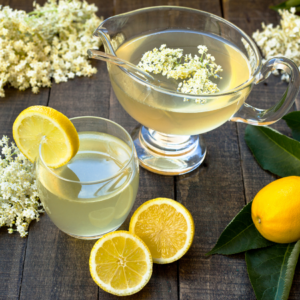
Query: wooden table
(49,264)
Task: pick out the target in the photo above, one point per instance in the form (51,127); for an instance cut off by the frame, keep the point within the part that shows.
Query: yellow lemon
(166,227)
(46,126)
(275,210)
(121,263)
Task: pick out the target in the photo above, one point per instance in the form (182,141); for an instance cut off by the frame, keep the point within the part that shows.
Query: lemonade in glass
(94,192)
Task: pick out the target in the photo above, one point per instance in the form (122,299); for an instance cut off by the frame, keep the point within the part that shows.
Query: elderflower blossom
(19,200)
(50,42)
(283,39)
(198,68)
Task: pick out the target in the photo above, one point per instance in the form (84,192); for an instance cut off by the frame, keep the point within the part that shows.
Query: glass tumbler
(95,191)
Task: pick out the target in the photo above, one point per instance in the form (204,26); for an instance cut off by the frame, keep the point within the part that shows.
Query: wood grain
(56,265)
(12,246)
(263,95)
(163,283)
(214,194)
(212,6)
(51,265)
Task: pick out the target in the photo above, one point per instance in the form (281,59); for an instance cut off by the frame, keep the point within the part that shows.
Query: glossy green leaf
(293,121)
(287,5)
(271,270)
(240,235)
(274,151)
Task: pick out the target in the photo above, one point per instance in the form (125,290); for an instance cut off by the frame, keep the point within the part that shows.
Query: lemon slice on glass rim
(46,126)
(121,263)
(166,227)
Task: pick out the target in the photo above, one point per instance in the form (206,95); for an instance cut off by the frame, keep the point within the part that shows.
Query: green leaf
(240,235)
(271,270)
(293,121)
(274,151)
(286,5)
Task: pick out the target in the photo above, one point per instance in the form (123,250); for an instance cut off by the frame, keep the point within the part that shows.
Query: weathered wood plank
(56,265)
(128,5)
(214,194)
(163,284)
(11,261)
(263,96)
(13,247)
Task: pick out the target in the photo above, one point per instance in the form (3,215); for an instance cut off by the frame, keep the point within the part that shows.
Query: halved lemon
(121,263)
(166,227)
(42,124)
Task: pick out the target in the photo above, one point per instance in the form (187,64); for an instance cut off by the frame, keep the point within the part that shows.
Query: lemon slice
(42,124)
(166,227)
(121,263)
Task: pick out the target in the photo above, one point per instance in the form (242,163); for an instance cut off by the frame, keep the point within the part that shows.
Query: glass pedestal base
(168,154)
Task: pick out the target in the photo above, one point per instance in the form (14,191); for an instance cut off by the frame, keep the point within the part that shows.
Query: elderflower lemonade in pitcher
(94,192)
(176,115)
(179,101)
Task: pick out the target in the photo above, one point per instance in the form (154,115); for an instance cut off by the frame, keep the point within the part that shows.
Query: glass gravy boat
(168,142)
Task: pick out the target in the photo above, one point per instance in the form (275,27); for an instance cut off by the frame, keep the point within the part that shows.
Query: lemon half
(42,124)
(166,227)
(121,263)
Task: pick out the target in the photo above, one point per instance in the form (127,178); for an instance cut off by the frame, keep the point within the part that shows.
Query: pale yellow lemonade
(170,114)
(87,210)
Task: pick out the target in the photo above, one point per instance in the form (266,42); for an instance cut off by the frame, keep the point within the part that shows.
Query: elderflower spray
(227,68)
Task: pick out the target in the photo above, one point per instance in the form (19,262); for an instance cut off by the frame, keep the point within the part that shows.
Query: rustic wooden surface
(51,265)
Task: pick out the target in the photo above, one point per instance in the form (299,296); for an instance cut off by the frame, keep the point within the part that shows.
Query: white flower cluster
(19,200)
(283,39)
(51,41)
(198,68)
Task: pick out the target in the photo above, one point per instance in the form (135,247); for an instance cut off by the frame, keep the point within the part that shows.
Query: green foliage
(274,151)
(293,121)
(271,270)
(287,5)
(240,235)
(270,266)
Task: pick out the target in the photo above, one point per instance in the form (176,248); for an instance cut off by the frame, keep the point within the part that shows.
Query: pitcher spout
(102,33)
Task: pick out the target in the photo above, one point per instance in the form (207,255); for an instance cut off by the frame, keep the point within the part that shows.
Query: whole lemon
(275,210)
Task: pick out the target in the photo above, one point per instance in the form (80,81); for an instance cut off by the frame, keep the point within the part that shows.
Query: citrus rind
(28,142)
(107,287)
(179,208)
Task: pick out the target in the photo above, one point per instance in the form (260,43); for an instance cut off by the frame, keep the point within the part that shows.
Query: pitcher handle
(255,116)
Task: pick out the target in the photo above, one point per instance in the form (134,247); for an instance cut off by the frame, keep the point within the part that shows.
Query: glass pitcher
(169,141)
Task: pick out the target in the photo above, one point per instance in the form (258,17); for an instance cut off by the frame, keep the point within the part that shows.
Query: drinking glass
(168,142)
(94,192)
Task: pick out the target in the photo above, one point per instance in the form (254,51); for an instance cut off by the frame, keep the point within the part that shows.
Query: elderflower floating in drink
(190,63)
(197,68)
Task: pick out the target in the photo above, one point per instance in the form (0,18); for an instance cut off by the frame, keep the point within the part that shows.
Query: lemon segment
(121,263)
(275,210)
(44,125)
(166,227)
